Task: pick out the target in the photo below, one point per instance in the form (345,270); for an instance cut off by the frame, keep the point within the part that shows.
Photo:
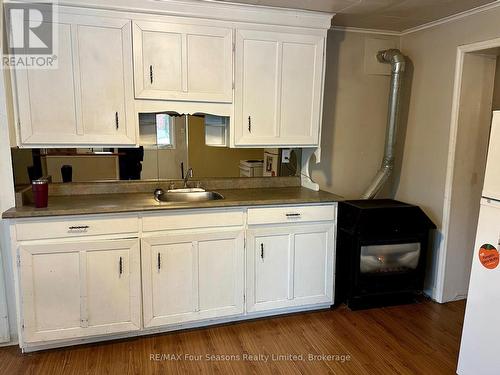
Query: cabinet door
(301,89)
(290,266)
(182,62)
(272,269)
(113,287)
(313,274)
(106,82)
(88,99)
(72,290)
(41,91)
(192,277)
(279,88)
(221,272)
(258,99)
(268,262)
(169,280)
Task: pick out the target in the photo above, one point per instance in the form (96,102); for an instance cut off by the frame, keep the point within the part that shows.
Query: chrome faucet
(189,174)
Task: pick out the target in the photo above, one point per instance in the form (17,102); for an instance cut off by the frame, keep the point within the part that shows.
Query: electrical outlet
(285,155)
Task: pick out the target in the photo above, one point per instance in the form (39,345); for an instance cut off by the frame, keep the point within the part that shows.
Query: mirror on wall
(169,145)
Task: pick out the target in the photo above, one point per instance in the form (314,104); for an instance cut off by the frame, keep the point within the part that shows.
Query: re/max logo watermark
(32,35)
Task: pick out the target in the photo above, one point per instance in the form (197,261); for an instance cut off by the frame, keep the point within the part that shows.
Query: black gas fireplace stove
(381,252)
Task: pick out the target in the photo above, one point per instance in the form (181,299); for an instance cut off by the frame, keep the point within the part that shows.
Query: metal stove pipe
(398,65)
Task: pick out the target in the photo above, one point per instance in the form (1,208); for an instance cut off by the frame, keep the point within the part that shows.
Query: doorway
(476,95)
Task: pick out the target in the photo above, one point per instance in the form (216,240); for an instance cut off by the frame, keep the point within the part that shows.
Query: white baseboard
(171,328)
(4,329)
(10,343)
(431,293)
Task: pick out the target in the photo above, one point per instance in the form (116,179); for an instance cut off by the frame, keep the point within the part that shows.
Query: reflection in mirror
(169,144)
(213,161)
(164,139)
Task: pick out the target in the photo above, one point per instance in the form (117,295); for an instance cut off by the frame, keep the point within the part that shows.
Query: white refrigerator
(480,346)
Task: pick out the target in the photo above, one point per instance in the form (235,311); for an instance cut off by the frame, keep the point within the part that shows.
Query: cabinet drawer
(192,220)
(74,226)
(290,214)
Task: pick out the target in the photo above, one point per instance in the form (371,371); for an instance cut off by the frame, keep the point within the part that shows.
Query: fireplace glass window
(389,258)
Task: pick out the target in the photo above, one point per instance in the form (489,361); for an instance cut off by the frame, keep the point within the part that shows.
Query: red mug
(40,193)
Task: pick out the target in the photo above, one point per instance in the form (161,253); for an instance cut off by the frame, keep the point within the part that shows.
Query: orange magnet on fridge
(488,256)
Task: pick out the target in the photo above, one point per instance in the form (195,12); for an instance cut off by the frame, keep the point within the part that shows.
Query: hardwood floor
(422,338)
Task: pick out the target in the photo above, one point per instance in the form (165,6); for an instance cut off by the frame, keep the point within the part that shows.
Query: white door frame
(450,169)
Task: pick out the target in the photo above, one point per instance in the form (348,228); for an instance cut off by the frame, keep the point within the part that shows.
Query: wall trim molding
(204,9)
(246,13)
(452,18)
(365,31)
(429,25)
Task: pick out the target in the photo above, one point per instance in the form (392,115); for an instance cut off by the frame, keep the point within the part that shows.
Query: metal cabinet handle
(250,124)
(293,215)
(262,250)
(151,74)
(159,261)
(79,227)
(117,121)
(120,266)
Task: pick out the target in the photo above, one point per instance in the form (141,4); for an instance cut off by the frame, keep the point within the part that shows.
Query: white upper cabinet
(279,88)
(103,80)
(88,99)
(183,62)
(267,78)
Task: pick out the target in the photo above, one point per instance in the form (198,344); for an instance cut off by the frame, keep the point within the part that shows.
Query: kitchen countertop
(139,202)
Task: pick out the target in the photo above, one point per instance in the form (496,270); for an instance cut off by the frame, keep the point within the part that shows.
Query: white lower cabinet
(78,289)
(77,282)
(190,277)
(290,266)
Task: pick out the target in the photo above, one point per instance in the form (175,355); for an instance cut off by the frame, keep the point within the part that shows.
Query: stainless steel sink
(181,195)
(185,190)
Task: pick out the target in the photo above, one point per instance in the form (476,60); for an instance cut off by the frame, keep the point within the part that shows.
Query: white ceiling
(397,15)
